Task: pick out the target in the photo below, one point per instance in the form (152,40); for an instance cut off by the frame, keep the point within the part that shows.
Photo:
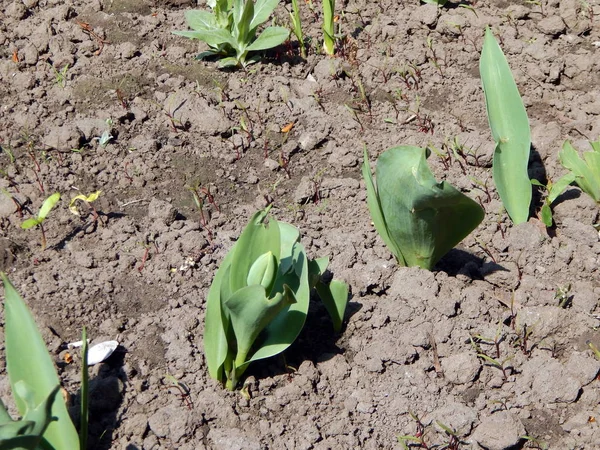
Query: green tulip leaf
(510,130)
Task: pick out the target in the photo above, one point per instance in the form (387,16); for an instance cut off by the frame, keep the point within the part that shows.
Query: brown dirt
(177,124)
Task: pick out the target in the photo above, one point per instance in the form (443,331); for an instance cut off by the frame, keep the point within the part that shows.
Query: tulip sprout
(258,300)
(584,172)
(419,219)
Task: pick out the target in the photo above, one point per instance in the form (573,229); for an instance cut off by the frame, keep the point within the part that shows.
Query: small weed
(60,76)
(563,296)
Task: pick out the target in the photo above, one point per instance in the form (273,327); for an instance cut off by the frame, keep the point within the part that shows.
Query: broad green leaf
(29,223)
(28,360)
(316,269)
(262,10)
(546,215)
(256,239)
(374,205)
(269,38)
(215,339)
(243,11)
(263,272)
(201,20)
(328,26)
(48,204)
(286,326)
(335,298)
(440,3)
(228,62)
(250,312)
(214,38)
(424,218)
(510,130)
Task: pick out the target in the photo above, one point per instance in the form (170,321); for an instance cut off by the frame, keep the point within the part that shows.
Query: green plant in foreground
(584,172)
(230,30)
(553,190)
(258,300)
(329,27)
(510,130)
(34,384)
(419,219)
(47,206)
(297,27)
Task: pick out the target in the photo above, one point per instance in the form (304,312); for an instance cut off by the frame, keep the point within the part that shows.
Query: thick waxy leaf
(269,38)
(263,272)
(376,213)
(586,171)
(335,298)
(328,26)
(424,218)
(28,360)
(510,130)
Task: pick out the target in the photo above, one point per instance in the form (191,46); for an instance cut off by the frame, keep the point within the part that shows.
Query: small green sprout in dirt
(34,383)
(329,27)
(297,27)
(60,77)
(584,172)
(510,130)
(419,219)
(230,30)
(258,300)
(563,295)
(553,190)
(47,206)
(106,137)
(535,443)
(594,349)
(88,200)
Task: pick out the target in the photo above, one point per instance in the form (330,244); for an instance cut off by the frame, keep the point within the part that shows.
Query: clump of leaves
(510,130)
(231,30)
(258,300)
(585,172)
(47,206)
(419,219)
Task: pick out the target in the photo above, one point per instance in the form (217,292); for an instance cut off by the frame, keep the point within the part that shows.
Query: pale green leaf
(269,38)
(510,130)
(335,298)
(262,10)
(201,20)
(48,204)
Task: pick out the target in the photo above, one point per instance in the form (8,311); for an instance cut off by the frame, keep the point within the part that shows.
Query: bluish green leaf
(262,10)
(510,130)
(201,20)
(335,298)
(214,38)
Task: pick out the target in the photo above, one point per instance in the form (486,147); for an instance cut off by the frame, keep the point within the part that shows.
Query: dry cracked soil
(406,362)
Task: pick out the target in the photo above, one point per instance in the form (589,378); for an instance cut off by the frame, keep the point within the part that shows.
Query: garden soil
(491,349)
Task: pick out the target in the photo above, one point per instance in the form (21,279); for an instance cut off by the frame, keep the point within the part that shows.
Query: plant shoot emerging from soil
(419,219)
(584,172)
(230,30)
(47,206)
(258,300)
(510,130)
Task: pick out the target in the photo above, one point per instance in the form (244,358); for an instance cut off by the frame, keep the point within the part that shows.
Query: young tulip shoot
(329,27)
(419,219)
(258,300)
(510,130)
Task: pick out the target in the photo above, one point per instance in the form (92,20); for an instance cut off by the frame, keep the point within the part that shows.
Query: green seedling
(553,190)
(329,27)
(88,200)
(258,300)
(60,77)
(297,27)
(34,383)
(47,206)
(584,172)
(563,296)
(106,137)
(419,219)
(496,363)
(230,30)
(510,130)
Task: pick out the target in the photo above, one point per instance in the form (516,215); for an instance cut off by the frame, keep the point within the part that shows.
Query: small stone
(30,55)
(84,259)
(579,232)
(30,3)
(499,431)
(427,14)
(162,210)
(127,50)
(461,368)
(552,26)
(305,191)
(16,10)
(66,136)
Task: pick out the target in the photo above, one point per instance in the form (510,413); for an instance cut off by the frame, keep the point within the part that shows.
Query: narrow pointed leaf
(510,130)
(48,204)
(27,359)
(559,186)
(586,171)
(335,298)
